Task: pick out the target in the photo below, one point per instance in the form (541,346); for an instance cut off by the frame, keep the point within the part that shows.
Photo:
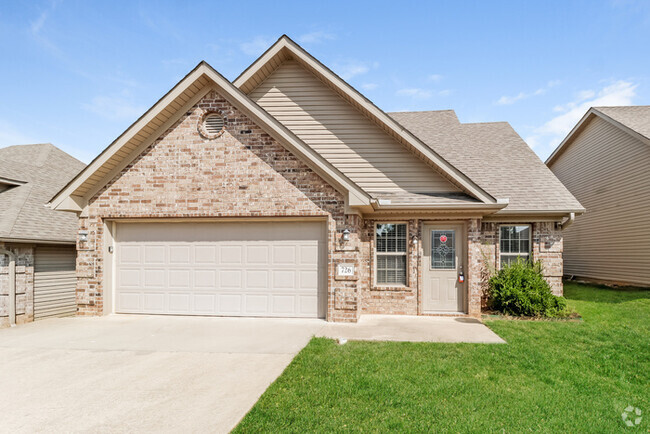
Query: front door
(443,247)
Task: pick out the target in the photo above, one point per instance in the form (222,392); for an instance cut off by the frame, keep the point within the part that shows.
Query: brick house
(37,244)
(287,193)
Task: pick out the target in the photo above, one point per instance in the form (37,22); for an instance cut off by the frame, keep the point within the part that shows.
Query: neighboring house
(605,163)
(37,244)
(287,193)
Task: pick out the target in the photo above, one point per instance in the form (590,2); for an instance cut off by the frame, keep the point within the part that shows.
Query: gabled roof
(496,157)
(29,176)
(635,120)
(285,49)
(163,114)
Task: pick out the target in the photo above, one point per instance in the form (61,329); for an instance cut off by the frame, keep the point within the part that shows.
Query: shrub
(520,289)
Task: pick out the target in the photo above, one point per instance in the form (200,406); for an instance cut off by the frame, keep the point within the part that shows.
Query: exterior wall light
(83,236)
(346,234)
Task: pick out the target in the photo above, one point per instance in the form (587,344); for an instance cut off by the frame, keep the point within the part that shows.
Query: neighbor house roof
(634,120)
(29,176)
(494,156)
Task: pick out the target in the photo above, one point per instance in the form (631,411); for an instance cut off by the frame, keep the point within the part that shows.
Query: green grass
(550,377)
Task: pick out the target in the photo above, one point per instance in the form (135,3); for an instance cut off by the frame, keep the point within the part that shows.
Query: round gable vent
(211,126)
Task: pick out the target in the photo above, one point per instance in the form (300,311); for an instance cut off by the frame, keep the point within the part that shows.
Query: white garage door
(230,269)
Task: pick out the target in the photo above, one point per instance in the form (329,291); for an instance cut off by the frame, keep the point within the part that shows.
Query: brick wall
(242,173)
(24,284)
(546,247)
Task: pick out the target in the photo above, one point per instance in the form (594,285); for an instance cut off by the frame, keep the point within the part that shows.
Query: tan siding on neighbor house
(607,170)
(342,135)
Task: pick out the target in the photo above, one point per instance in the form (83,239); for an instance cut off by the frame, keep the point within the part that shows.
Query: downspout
(569,221)
(12,286)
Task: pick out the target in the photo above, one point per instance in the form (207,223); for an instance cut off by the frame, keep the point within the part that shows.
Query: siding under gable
(342,135)
(606,169)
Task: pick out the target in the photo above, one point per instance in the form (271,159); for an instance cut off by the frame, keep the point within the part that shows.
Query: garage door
(229,269)
(54,281)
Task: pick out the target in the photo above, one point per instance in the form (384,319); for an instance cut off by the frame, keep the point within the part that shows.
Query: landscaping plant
(519,289)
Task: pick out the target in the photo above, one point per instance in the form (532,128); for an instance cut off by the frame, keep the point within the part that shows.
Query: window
(443,249)
(514,242)
(390,248)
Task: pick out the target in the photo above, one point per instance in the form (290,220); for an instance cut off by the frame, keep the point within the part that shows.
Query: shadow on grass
(602,293)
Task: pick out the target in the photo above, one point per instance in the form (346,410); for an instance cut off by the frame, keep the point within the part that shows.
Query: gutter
(387,204)
(12,286)
(569,221)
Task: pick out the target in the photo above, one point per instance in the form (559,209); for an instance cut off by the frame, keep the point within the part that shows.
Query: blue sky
(78,73)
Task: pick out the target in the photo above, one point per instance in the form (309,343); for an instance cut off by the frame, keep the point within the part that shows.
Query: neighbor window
(514,242)
(390,248)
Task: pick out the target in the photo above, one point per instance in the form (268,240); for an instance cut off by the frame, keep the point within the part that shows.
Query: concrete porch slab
(412,329)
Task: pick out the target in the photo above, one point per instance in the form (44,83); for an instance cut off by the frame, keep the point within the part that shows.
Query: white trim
(530,242)
(405,253)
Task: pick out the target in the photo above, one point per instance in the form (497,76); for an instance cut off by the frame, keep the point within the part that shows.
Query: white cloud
(353,68)
(445,92)
(414,92)
(507,100)
(257,46)
(315,37)
(369,86)
(115,107)
(435,77)
(619,93)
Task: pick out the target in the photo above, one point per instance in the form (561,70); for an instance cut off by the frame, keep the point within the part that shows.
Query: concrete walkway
(130,373)
(412,329)
(141,373)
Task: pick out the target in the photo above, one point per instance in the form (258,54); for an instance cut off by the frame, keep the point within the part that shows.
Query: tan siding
(606,169)
(342,135)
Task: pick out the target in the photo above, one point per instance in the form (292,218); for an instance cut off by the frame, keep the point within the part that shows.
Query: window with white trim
(390,251)
(514,242)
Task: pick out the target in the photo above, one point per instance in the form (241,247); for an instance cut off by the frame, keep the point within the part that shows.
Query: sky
(78,73)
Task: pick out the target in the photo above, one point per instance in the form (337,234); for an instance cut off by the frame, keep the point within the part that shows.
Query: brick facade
(245,173)
(24,283)
(242,173)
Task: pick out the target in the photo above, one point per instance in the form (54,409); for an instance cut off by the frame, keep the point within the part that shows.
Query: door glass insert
(443,249)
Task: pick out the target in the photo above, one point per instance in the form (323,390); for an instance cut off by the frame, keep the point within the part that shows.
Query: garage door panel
(231,255)
(230,279)
(154,278)
(257,255)
(284,255)
(154,254)
(129,301)
(205,254)
(230,304)
(130,255)
(256,279)
(179,254)
(240,269)
(154,302)
(129,277)
(205,304)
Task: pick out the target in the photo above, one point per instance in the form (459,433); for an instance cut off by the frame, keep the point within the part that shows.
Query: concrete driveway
(141,373)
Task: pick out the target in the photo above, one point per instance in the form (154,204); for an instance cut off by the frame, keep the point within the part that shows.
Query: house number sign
(345,270)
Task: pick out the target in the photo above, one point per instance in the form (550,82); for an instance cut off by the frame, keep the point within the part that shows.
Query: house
(604,162)
(37,244)
(288,193)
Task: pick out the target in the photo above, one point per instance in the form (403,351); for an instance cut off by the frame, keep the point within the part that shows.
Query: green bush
(519,289)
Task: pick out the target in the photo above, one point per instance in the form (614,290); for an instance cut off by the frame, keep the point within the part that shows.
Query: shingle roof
(494,156)
(42,170)
(636,118)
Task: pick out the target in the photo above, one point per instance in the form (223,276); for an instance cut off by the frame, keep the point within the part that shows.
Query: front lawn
(550,377)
